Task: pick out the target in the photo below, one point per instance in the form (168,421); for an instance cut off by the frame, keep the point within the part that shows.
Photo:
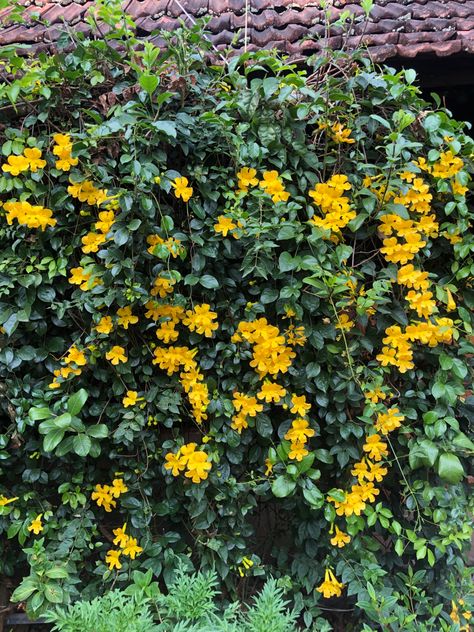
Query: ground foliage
(156,207)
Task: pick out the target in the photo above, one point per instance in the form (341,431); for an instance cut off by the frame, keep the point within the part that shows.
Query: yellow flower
(298,450)
(375,448)
(340,539)
(131,548)
(125,317)
(224,225)
(300,406)
(92,241)
(451,304)
(421,302)
(118,487)
(36,525)
(26,214)
(5,501)
(121,537)
(162,286)
(361,471)
(175,463)
(15,165)
(86,191)
(272,185)
(247,564)
(295,336)
(340,134)
(344,323)
(105,223)
(389,421)
(246,178)
(246,404)
(181,189)
(198,466)
(271,392)
(330,587)
(375,395)
(103,496)
(239,422)
(79,277)
(131,398)
(201,320)
(76,356)
(112,559)
(33,155)
(269,467)
(116,355)
(299,431)
(105,325)
(167,332)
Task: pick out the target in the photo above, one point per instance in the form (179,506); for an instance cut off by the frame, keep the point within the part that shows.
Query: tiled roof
(396,28)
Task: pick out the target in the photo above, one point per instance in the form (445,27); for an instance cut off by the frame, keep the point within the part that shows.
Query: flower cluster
(195,462)
(128,546)
(270,354)
(85,280)
(334,205)
(170,246)
(299,432)
(337,132)
(63,150)
(86,191)
(273,185)
(246,406)
(30,159)
(105,495)
(201,320)
(74,360)
(173,359)
(330,587)
(31,215)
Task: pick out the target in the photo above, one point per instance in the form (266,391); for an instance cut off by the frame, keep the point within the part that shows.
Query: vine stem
(351,366)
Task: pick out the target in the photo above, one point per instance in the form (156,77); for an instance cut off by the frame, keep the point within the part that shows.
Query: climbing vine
(236,310)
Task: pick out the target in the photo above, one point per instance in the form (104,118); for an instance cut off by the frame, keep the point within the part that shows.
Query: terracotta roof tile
(404,28)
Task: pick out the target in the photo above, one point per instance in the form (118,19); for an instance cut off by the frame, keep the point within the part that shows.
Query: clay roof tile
(404,28)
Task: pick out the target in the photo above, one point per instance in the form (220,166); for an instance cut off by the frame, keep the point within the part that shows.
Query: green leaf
(81,444)
(76,402)
(462,441)
(53,594)
(269,295)
(410,75)
(450,468)
(314,497)
(286,262)
(24,590)
(283,486)
(148,82)
(52,439)
(399,546)
(35,414)
(423,453)
(57,572)
(167,127)
(99,431)
(337,494)
(209,282)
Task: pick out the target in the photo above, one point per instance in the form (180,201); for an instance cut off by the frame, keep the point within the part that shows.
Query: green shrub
(188,607)
(236,304)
